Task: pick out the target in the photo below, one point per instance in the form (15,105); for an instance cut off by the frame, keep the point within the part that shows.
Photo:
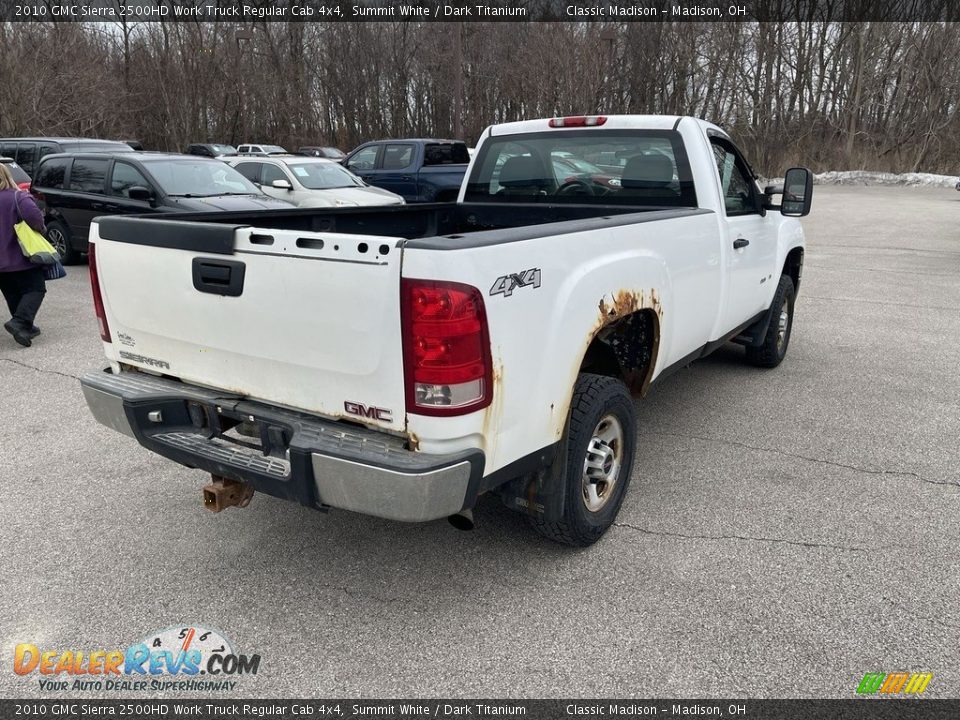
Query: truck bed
(431,226)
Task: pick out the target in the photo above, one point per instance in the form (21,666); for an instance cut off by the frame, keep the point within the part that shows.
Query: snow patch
(868,177)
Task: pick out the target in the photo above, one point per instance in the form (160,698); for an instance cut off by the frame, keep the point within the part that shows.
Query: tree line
(874,96)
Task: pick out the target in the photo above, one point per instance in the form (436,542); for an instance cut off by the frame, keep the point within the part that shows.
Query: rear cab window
(646,168)
(445,154)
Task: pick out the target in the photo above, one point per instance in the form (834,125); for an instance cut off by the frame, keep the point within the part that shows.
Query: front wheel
(599,459)
(773,349)
(59,237)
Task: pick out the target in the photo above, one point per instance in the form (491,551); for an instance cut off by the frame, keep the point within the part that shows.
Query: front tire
(59,237)
(773,349)
(601,440)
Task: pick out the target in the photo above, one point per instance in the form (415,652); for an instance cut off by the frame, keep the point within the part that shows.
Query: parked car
(311,182)
(73,189)
(402,361)
(214,150)
(570,166)
(29,151)
(263,150)
(19,176)
(420,170)
(331,153)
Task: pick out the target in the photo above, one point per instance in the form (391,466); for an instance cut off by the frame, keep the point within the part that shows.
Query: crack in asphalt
(748,538)
(927,618)
(856,468)
(879,302)
(40,370)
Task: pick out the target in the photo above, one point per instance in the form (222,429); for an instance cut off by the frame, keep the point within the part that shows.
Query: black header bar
(594,11)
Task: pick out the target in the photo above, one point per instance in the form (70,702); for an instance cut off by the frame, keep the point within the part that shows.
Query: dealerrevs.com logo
(897,683)
(178,658)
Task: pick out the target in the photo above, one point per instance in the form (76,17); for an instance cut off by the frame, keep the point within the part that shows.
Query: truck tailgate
(300,319)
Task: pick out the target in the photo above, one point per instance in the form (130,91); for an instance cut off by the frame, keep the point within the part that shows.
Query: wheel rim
(58,241)
(601,467)
(783,325)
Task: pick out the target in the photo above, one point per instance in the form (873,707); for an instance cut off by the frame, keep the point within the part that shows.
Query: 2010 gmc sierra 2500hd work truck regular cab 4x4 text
(402,361)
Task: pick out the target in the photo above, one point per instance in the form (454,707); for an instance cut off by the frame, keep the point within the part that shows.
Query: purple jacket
(11,256)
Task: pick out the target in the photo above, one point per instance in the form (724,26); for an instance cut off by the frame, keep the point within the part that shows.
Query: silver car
(311,182)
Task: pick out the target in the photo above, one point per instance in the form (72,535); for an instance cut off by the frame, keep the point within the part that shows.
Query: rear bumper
(316,462)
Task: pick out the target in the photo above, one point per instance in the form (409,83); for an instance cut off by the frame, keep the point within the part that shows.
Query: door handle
(406,177)
(218,277)
(740,243)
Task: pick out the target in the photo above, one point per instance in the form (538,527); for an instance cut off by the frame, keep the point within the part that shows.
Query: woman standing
(21,282)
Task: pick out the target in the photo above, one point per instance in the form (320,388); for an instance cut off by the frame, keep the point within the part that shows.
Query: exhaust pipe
(463,520)
(224,492)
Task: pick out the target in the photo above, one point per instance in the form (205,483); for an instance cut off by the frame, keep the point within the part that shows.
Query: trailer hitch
(224,492)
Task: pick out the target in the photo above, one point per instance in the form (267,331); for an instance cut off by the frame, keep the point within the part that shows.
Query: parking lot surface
(785,532)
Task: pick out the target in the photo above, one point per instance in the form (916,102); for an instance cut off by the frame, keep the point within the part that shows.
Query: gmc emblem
(374,413)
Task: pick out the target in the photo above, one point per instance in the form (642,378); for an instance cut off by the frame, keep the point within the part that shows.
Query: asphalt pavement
(786,531)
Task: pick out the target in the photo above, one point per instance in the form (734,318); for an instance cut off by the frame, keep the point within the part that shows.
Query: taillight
(24,185)
(446,348)
(578,121)
(97,296)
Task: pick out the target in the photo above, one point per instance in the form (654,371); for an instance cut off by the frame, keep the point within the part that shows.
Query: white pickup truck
(402,361)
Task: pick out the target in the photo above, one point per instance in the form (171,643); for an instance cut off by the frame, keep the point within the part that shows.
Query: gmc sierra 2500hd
(402,361)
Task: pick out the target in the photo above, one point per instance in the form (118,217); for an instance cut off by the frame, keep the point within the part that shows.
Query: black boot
(19,334)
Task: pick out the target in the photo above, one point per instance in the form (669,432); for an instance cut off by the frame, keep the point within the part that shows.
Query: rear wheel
(59,237)
(774,347)
(600,445)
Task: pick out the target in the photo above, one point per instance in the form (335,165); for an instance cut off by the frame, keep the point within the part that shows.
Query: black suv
(28,151)
(74,189)
(214,150)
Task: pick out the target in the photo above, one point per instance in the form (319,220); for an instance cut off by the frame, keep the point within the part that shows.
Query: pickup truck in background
(422,171)
(403,361)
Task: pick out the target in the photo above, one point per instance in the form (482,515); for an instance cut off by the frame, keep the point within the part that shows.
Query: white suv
(262,150)
(311,182)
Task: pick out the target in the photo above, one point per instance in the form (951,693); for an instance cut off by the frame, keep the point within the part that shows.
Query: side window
(8,149)
(271,173)
(46,150)
(27,156)
(366,159)
(88,175)
(126,176)
(51,173)
(397,157)
(250,170)
(735,183)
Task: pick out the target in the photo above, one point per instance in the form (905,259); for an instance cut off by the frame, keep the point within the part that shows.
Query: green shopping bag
(34,245)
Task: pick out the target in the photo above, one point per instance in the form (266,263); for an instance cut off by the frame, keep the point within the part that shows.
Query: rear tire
(59,237)
(773,349)
(601,439)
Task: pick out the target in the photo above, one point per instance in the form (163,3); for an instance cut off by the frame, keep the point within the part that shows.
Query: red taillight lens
(446,348)
(24,185)
(578,121)
(97,296)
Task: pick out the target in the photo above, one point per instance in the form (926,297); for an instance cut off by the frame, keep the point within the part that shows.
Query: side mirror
(797,192)
(138,192)
(282,185)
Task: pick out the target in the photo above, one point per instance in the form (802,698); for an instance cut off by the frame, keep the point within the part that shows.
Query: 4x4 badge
(506,284)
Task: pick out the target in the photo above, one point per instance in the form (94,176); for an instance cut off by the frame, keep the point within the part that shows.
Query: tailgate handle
(220,277)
